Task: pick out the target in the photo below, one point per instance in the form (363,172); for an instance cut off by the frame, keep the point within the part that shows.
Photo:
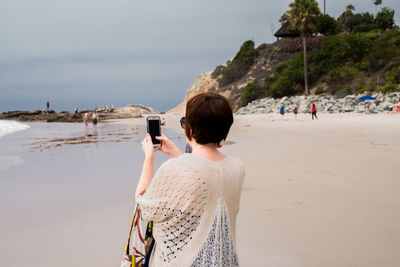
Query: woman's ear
(190,133)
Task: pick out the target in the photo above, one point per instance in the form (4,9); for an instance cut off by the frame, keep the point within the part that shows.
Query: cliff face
(270,56)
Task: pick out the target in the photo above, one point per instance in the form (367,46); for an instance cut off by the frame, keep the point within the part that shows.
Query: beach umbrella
(366,97)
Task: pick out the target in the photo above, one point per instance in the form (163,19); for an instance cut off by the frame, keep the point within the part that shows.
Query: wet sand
(64,203)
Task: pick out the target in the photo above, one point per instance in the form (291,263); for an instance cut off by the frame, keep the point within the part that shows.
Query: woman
(313,111)
(282,111)
(193,199)
(86,119)
(295,111)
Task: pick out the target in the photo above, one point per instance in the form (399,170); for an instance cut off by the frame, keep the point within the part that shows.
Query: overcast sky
(89,53)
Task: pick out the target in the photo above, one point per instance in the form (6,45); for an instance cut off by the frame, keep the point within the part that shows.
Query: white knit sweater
(193,203)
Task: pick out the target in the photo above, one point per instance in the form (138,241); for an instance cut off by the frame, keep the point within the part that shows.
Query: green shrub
(288,79)
(387,88)
(281,67)
(360,87)
(345,74)
(371,87)
(393,76)
(348,91)
(356,46)
(319,90)
(372,35)
(385,18)
(327,25)
(365,28)
(333,90)
(364,65)
(240,64)
(249,93)
(381,54)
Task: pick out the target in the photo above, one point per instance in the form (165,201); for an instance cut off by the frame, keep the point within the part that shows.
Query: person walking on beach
(282,111)
(86,119)
(193,199)
(295,111)
(95,118)
(313,111)
(48,105)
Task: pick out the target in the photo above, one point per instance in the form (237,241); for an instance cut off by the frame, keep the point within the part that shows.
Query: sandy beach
(319,193)
(316,193)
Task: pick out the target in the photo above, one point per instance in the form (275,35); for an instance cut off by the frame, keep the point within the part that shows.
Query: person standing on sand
(282,111)
(86,119)
(48,105)
(295,110)
(367,110)
(193,199)
(95,118)
(313,111)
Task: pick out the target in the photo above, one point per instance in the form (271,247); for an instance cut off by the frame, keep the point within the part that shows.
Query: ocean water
(65,195)
(9,127)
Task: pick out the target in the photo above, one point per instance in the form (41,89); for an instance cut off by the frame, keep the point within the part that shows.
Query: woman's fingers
(162,138)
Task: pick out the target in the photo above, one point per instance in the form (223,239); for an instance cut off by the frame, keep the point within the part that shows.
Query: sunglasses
(182,121)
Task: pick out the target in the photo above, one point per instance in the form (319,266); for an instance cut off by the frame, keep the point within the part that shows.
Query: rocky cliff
(269,57)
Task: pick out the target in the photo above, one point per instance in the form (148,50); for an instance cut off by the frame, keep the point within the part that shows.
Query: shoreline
(129,111)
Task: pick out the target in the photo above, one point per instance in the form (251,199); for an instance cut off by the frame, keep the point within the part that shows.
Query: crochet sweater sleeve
(176,191)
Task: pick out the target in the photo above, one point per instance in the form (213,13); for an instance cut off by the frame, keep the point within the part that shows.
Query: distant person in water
(295,111)
(86,119)
(188,148)
(313,111)
(48,105)
(282,111)
(95,118)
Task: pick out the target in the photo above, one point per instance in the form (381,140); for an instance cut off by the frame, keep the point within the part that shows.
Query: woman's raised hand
(147,146)
(168,147)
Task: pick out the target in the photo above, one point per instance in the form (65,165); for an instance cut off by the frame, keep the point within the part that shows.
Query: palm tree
(350,8)
(346,17)
(302,16)
(377,3)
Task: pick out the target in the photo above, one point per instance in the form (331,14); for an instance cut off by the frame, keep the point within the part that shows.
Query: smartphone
(154,129)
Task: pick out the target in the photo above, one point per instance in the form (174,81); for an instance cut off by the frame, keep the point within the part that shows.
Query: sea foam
(8,127)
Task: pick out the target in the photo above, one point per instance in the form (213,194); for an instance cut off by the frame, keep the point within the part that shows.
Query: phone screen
(154,130)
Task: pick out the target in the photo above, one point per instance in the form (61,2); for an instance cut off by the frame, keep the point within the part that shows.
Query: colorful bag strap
(129,237)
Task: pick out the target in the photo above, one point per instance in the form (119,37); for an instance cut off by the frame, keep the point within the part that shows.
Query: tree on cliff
(346,18)
(303,16)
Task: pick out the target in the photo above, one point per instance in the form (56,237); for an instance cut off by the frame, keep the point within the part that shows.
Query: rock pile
(331,104)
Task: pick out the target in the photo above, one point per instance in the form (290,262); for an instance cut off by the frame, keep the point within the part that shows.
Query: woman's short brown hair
(208,118)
